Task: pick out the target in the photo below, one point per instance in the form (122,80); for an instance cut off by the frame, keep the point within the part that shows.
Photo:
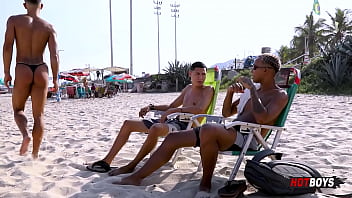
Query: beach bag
(274,177)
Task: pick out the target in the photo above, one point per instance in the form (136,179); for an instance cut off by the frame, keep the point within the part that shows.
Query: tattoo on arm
(258,107)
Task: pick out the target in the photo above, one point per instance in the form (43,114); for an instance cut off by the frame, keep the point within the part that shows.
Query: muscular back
(31,35)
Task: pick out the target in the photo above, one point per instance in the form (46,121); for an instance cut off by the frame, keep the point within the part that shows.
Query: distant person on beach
(93,89)
(31,34)
(98,74)
(194,98)
(262,106)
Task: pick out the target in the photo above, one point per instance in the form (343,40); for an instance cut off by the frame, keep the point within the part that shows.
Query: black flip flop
(233,189)
(99,166)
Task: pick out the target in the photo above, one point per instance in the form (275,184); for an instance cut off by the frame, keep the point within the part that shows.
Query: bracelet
(151,107)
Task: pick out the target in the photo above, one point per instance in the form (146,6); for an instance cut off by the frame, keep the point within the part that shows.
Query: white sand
(80,131)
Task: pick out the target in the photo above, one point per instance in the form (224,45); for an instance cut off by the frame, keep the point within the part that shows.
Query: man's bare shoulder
(280,95)
(14,18)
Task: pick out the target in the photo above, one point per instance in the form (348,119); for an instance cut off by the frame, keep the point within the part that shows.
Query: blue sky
(208,31)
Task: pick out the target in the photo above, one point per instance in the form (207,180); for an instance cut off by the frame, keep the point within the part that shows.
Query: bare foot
(122,170)
(24,146)
(130,180)
(204,186)
(35,155)
(202,194)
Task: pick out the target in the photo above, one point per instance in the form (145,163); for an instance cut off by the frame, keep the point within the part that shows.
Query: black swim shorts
(239,142)
(174,124)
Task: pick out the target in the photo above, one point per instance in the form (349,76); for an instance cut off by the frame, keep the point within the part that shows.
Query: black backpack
(274,177)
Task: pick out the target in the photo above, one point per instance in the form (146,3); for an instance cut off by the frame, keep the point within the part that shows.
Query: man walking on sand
(31,34)
(194,98)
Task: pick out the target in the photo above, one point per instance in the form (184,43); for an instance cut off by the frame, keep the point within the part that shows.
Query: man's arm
(229,108)
(54,57)
(178,101)
(200,108)
(265,114)
(8,49)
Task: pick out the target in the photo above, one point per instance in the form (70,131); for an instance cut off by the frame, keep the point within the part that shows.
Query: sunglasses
(257,67)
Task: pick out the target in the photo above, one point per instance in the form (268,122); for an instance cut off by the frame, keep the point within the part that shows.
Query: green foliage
(311,78)
(178,71)
(331,41)
(330,74)
(336,69)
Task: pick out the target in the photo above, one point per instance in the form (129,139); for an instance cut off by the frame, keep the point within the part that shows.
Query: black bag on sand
(274,177)
(233,189)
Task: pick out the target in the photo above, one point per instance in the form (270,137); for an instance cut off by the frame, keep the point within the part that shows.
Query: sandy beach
(81,131)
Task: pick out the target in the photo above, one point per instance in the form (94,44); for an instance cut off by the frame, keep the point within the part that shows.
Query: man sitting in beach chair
(194,98)
(262,106)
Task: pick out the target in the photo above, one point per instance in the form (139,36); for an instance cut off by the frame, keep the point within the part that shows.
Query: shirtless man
(31,34)
(195,99)
(264,107)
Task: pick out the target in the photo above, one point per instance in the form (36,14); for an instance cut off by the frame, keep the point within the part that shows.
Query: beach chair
(287,78)
(81,92)
(71,91)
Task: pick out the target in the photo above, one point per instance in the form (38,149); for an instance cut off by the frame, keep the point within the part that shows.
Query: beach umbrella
(78,72)
(66,76)
(125,76)
(118,78)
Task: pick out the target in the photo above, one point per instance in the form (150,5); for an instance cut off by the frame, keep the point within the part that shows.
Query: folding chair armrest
(253,125)
(211,117)
(182,116)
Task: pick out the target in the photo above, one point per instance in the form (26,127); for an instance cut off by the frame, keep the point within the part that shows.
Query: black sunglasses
(256,67)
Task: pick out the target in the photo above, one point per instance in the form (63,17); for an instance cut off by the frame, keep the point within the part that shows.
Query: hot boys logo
(318,182)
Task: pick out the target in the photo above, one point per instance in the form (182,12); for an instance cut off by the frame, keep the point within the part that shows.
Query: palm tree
(341,26)
(287,55)
(311,31)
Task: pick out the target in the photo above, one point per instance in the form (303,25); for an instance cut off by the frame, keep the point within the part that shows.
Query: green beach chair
(255,130)
(287,78)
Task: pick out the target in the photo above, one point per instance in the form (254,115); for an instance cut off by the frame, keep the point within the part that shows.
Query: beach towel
(245,96)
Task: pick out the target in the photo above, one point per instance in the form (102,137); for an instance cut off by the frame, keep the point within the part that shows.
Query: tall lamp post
(131,57)
(157,8)
(175,10)
(111,48)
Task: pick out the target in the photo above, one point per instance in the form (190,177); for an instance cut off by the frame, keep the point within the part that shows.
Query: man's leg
(161,156)
(20,95)
(39,94)
(154,133)
(213,138)
(125,132)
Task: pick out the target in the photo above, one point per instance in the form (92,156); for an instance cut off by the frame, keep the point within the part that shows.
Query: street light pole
(158,3)
(131,55)
(175,10)
(111,48)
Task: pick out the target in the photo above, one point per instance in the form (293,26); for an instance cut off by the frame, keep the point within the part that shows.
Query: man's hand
(246,82)
(56,86)
(163,117)
(144,111)
(7,80)
(235,88)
